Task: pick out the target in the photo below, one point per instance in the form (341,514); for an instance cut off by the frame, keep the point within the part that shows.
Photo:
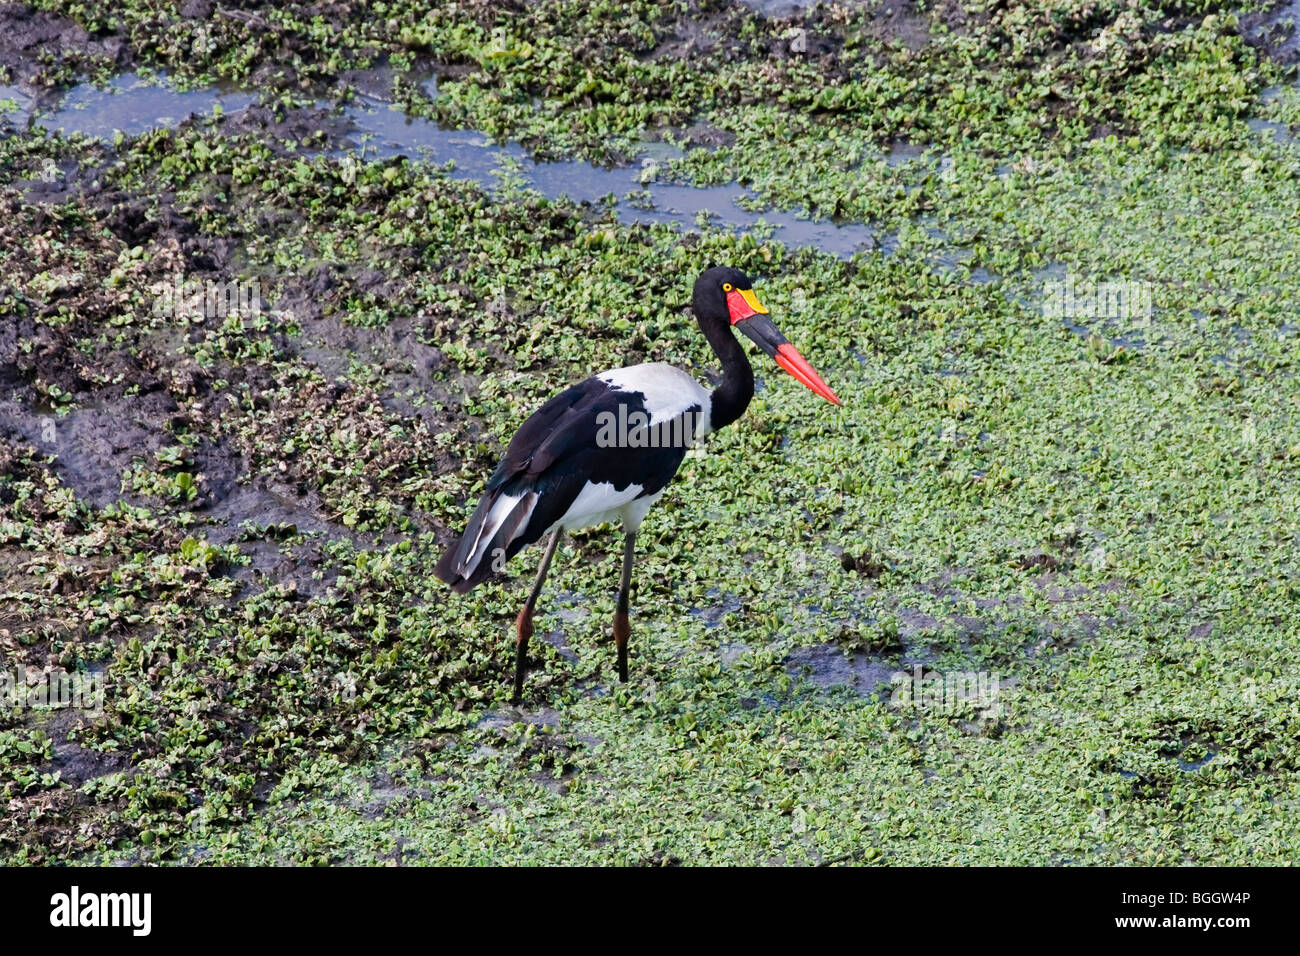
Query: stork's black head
(718,288)
(725,296)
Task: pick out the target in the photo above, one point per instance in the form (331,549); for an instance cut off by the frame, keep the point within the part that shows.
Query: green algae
(1110,528)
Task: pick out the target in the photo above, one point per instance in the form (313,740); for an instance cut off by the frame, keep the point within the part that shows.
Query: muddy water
(826,665)
(1279,133)
(133,105)
(21,101)
(382,132)
(776,8)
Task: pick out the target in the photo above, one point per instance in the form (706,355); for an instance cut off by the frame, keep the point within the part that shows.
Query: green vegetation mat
(231,520)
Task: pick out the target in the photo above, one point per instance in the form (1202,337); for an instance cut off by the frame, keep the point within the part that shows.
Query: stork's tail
(490,539)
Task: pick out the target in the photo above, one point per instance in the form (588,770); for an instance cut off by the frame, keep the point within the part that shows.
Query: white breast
(599,503)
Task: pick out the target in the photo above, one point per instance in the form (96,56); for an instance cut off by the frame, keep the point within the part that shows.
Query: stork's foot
(622,631)
(524,630)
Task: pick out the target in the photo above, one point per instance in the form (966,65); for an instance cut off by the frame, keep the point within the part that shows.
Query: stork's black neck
(731,398)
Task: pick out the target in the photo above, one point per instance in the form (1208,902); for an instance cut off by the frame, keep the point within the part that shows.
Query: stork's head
(725,295)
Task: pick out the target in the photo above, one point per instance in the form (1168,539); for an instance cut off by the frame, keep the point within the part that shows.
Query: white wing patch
(501,510)
(668,391)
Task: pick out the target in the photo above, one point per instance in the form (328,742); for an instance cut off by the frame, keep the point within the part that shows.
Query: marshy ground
(229,517)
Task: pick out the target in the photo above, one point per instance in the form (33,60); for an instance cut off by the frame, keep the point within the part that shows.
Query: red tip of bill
(788,357)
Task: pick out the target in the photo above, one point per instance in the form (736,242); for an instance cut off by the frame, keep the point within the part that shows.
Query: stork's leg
(524,623)
(622,629)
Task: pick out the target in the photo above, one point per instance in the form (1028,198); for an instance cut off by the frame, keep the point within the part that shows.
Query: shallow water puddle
(382,132)
(713,614)
(133,104)
(1192,766)
(21,100)
(776,9)
(1279,133)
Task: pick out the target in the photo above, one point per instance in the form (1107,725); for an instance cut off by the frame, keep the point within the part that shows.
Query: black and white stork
(605,449)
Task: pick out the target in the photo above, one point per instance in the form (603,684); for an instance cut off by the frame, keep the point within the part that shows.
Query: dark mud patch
(270,510)
(218,471)
(56,826)
(121,217)
(39,49)
(286,132)
(54,182)
(901,23)
(99,413)
(704,135)
(805,29)
(377,82)
(74,763)
(128,422)
(411,377)
(897,23)
(717,35)
(827,665)
(93,447)
(282,535)
(1274,31)
(322,293)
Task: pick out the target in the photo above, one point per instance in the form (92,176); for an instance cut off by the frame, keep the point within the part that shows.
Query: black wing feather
(555,454)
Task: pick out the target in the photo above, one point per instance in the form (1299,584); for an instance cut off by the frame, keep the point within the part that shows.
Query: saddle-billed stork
(605,448)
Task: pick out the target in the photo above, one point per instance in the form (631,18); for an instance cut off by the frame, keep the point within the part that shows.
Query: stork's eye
(726,287)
